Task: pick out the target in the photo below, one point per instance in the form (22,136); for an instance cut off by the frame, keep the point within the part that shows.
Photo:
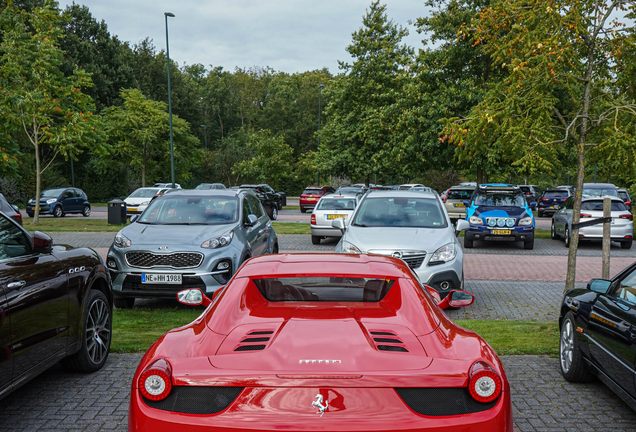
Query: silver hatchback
(621,228)
(188,239)
(329,208)
(413,226)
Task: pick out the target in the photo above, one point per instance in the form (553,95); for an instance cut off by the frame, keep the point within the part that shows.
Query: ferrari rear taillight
(313,219)
(155,383)
(627,216)
(484,385)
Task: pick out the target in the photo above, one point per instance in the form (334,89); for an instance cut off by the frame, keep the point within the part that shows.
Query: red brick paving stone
(536,267)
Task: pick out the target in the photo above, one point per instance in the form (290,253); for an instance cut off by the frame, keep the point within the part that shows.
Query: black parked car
(552,200)
(60,201)
(532,193)
(598,330)
(10,210)
(271,200)
(55,304)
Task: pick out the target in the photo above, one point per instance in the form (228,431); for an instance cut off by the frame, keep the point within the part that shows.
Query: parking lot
(509,283)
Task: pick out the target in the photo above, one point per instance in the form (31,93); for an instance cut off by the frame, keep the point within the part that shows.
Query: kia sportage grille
(177,260)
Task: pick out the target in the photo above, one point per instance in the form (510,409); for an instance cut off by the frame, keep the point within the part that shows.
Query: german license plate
(336,216)
(311,199)
(501,232)
(132,208)
(174,279)
(551,207)
(459,205)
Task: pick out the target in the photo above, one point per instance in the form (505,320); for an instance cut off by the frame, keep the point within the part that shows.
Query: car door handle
(16,285)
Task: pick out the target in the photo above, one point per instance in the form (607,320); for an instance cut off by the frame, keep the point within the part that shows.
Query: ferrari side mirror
(193,297)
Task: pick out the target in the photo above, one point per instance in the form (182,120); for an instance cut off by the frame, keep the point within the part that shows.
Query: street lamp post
(320,87)
(171,15)
(205,137)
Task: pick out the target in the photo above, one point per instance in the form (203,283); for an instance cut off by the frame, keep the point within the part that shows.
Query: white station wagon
(329,208)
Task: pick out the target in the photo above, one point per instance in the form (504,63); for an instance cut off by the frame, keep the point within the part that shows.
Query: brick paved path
(542,400)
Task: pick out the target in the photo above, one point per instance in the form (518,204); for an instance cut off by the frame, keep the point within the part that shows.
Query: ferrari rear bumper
(290,409)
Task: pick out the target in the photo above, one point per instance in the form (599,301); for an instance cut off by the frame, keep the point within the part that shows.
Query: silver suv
(413,226)
(188,239)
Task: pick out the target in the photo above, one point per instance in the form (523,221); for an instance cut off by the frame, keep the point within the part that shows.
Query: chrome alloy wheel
(566,346)
(98,327)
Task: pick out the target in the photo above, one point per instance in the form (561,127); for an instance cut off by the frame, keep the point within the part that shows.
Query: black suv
(60,201)
(532,193)
(552,200)
(271,200)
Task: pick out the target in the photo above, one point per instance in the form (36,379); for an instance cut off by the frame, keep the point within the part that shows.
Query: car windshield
(337,204)
(349,190)
(51,193)
(329,289)
(458,194)
(500,199)
(600,192)
(313,192)
(556,194)
(597,205)
(191,210)
(421,189)
(143,193)
(400,212)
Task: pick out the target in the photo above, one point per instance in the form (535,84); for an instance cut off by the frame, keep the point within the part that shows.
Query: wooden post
(607,212)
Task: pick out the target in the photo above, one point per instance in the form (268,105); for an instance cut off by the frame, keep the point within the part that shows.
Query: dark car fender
(579,302)
(86,271)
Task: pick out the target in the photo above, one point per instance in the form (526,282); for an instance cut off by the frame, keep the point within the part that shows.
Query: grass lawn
(75,224)
(291,228)
(134,330)
(291,207)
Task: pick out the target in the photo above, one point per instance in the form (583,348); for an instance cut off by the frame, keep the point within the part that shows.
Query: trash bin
(116,212)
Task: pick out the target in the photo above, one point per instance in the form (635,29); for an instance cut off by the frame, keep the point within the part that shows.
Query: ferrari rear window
(324,289)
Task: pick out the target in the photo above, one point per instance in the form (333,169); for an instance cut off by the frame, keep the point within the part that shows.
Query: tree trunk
(480,175)
(580,175)
(143,167)
(38,179)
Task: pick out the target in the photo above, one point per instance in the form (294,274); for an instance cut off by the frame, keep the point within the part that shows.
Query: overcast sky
(287,35)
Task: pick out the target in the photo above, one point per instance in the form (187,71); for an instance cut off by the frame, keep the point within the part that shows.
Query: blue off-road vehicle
(499,212)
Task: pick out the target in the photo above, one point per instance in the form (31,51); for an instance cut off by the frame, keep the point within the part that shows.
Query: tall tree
(363,112)
(51,109)
(565,60)
(139,133)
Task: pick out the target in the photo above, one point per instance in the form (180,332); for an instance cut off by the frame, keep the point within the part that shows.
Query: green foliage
(35,95)
(363,112)
(139,133)
(270,160)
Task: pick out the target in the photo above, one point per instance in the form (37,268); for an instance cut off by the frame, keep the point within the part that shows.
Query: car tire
(58,212)
(87,211)
(627,244)
(272,212)
(124,303)
(97,332)
(315,240)
(30,214)
(303,210)
(540,213)
(275,249)
(280,205)
(468,244)
(566,237)
(553,234)
(529,245)
(573,367)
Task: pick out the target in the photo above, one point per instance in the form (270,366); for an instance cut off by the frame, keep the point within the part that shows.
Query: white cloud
(287,35)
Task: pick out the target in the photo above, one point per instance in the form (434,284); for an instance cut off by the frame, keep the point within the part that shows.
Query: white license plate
(174,279)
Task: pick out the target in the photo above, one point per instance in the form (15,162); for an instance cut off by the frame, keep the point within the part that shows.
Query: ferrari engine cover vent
(255,341)
(388,341)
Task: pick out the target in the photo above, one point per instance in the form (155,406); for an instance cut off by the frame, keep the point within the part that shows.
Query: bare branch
(52,159)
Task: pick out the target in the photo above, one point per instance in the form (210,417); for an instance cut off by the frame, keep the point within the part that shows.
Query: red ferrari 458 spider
(321,342)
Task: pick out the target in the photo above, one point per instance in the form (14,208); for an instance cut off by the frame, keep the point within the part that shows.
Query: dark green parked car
(271,200)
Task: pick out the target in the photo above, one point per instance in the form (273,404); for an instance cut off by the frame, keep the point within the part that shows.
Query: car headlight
(446,253)
(50,201)
(218,242)
(349,247)
(145,203)
(476,220)
(526,221)
(121,241)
